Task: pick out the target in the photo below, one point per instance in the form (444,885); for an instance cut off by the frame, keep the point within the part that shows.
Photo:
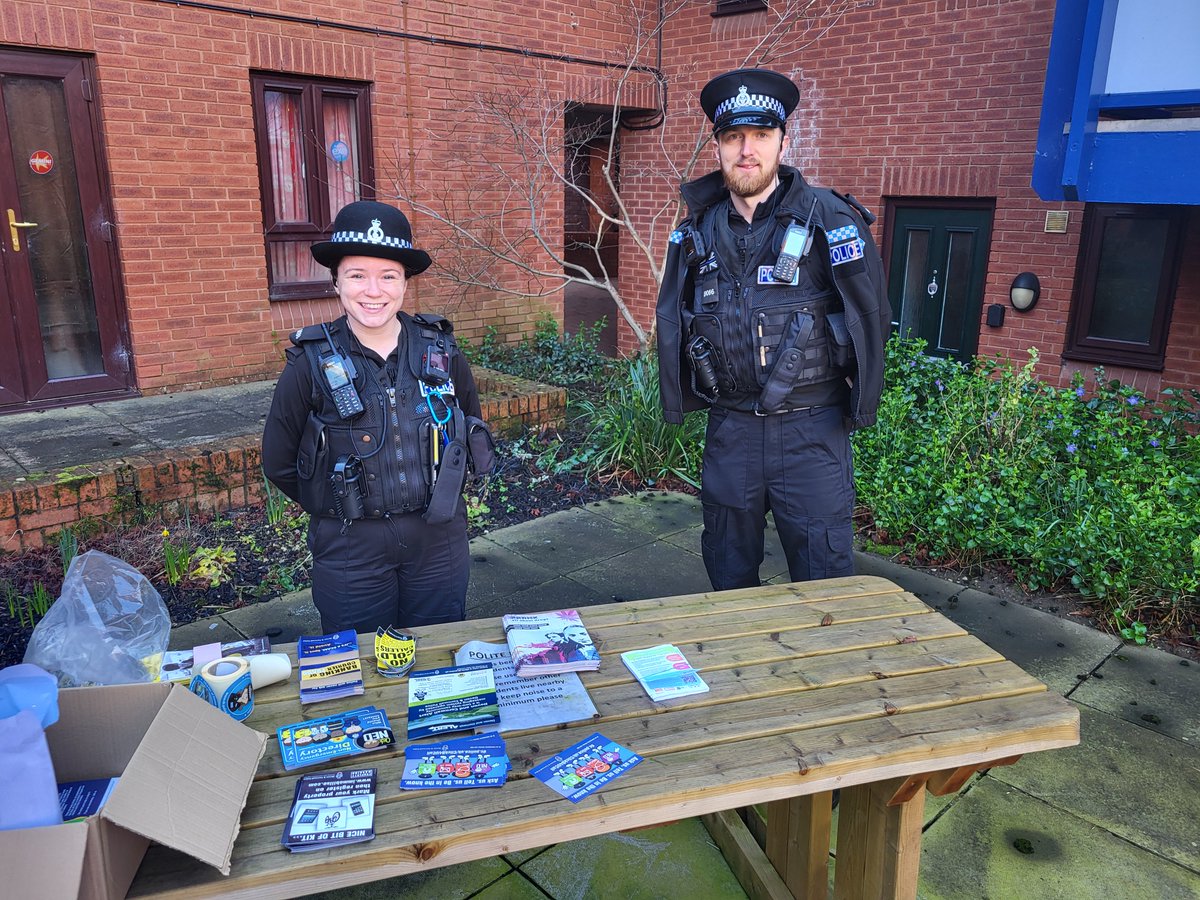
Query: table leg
(798,843)
(879,846)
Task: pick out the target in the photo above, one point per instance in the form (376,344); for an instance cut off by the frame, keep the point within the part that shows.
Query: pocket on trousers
(725,464)
(831,549)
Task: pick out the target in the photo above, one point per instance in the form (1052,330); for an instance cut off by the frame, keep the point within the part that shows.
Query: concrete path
(1114,818)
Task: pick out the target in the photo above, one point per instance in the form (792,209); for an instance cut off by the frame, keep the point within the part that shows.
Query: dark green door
(936,272)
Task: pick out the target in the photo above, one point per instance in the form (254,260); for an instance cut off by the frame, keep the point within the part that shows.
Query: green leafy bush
(1090,486)
(546,356)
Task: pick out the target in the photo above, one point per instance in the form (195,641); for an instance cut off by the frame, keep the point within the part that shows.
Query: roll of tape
(227,685)
(268,668)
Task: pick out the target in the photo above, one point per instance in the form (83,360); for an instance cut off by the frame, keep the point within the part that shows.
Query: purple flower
(1153,442)
(1079,392)
(1075,433)
(938,382)
(1071,448)
(1133,401)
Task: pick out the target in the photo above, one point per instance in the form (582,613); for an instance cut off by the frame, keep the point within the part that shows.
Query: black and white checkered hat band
(742,103)
(358,237)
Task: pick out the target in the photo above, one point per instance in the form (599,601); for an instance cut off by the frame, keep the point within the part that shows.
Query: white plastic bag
(108,624)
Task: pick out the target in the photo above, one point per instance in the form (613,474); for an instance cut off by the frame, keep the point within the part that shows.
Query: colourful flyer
(480,761)
(456,698)
(584,767)
(346,734)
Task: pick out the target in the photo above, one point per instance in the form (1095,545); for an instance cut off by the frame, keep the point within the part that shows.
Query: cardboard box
(185,770)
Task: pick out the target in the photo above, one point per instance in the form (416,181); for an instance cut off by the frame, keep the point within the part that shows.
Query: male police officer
(772,312)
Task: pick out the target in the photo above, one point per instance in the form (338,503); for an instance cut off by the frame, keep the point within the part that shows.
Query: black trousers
(797,465)
(395,571)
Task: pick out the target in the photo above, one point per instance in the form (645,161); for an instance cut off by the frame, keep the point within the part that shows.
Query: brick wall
(175,109)
(913,99)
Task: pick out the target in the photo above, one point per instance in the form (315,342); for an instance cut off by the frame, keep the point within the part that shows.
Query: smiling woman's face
(371,291)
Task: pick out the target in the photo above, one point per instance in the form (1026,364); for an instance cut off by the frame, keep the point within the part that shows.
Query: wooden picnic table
(848,683)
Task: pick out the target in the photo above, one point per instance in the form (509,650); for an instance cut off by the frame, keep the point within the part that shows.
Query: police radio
(796,243)
(340,373)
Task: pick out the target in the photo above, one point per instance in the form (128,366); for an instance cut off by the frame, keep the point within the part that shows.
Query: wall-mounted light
(1024,292)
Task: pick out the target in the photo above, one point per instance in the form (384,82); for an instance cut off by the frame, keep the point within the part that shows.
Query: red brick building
(167,162)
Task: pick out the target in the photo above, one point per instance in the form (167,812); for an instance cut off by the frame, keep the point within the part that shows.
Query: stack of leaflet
(550,643)
(345,734)
(664,672)
(329,667)
(331,809)
(479,761)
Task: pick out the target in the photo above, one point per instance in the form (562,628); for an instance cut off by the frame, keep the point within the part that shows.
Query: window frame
(1081,346)
(312,92)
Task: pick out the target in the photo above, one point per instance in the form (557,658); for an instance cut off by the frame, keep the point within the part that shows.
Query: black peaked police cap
(749,97)
(367,228)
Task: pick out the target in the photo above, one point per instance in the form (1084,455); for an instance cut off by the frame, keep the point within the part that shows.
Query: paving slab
(972,852)
(656,512)
(496,572)
(677,860)
(560,593)
(66,449)
(1053,650)
(569,540)
(294,616)
(203,631)
(774,567)
(1125,779)
(447,883)
(1149,688)
(657,569)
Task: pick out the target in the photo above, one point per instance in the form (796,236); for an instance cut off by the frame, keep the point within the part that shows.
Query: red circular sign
(41,161)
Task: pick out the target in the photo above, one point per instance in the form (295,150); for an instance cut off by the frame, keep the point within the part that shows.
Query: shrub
(1090,486)
(546,356)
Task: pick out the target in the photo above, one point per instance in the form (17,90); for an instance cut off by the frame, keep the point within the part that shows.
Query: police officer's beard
(749,185)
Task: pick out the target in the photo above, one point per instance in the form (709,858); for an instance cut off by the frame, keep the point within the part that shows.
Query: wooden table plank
(885,691)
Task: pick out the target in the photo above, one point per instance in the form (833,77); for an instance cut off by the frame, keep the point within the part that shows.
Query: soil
(266,559)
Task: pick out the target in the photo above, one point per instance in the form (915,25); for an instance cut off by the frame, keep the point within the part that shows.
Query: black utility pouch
(841,347)
(312,464)
(709,328)
(481,446)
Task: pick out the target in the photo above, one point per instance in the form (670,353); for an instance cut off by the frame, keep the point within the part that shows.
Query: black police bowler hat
(367,228)
(749,97)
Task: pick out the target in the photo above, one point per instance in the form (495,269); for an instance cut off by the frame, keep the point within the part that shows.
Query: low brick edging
(209,477)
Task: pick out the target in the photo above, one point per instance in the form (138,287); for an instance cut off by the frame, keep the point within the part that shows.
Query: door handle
(13,225)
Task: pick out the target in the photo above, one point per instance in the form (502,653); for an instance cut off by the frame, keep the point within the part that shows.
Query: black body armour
(779,346)
(391,437)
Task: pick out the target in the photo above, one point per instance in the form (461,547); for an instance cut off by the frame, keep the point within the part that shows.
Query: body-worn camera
(347,488)
(435,366)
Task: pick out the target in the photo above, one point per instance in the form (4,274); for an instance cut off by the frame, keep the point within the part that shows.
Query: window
(314,157)
(732,7)
(1125,285)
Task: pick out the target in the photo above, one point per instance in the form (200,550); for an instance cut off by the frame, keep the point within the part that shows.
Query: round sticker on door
(41,161)
(340,151)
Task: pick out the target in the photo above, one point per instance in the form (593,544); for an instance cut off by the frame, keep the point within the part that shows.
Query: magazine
(549,643)
(528,702)
(331,809)
(455,698)
(664,672)
(584,767)
(329,667)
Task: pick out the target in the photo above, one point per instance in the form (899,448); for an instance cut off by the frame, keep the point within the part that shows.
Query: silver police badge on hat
(742,98)
(375,233)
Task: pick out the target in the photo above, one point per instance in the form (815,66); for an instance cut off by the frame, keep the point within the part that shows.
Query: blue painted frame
(1077,161)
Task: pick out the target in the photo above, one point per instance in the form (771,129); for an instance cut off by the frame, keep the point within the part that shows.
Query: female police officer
(370,429)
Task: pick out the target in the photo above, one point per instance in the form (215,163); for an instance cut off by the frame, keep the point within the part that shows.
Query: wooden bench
(848,683)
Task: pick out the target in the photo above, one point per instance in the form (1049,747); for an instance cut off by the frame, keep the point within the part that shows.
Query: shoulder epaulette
(438,323)
(307,333)
(850,199)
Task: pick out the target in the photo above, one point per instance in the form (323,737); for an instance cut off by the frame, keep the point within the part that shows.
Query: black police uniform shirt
(843,249)
(293,401)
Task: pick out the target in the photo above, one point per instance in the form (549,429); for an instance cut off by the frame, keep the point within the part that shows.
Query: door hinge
(106,231)
(85,87)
